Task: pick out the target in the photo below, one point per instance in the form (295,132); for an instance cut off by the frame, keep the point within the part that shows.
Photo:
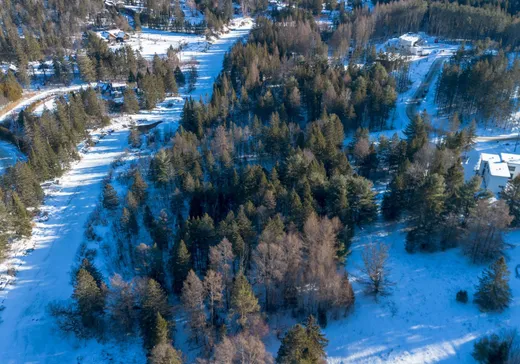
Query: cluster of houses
(114,36)
(497,169)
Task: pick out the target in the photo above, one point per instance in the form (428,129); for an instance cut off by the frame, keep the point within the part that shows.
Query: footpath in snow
(27,332)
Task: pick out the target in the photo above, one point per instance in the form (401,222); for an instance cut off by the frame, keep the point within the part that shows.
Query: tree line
(50,143)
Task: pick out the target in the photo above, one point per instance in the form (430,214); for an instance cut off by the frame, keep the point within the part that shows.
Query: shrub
(462,296)
(495,349)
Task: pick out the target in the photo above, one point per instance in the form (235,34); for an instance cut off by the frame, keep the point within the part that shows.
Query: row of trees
(444,19)
(50,143)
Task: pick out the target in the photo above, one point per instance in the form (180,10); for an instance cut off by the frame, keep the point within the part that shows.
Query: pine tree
(511,195)
(192,79)
(193,295)
(164,354)
(131,104)
(316,341)
(303,344)
(89,297)
(162,232)
(493,292)
(110,199)
(139,187)
(154,301)
(170,85)
(181,265)
(243,299)
(86,68)
(22,221)
(5,227)
(161,333)
(179,76)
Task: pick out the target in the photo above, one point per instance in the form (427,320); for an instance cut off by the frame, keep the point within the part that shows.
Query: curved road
(411,107)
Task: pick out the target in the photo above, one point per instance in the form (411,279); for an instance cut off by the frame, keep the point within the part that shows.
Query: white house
(496,170)
(409,42)
(513,161)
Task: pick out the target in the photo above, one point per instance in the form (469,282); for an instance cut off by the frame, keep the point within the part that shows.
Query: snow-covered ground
(9,155)
(42,94)
(28,332)
(420,321)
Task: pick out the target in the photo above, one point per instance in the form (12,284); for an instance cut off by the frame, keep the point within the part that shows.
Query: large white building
(496,170)
(409,43)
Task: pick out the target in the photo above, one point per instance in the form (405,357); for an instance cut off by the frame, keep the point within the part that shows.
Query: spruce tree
(303,344)
(86,68)
(22,221)
(154,302)
(110,199)
(5,227)
(493,292)
(181,265)
(139,187)
(316,340)
(170,85)
(130,104)
(511,195)
(179,76)
(89,297)
(161,333)
(243,299)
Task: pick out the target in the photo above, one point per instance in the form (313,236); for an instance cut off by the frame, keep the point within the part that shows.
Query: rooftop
(499,169)
(411,37)
(487,157)
(510,158)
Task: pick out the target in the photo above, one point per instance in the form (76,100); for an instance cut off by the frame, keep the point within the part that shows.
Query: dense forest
(480,87)
(250,211)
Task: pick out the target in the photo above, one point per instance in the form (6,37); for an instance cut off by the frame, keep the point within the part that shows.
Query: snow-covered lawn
(420,321)
(28,333)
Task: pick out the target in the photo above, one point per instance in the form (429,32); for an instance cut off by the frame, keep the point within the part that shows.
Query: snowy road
(27,333)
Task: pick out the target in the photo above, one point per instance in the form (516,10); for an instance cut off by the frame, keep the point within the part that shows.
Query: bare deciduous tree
(484,238)
(375,258)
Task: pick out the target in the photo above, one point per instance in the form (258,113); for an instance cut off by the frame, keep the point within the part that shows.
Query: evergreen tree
(154,302)
(161,333)
(170,85)
(89,297)
(511,194)
(181,265)
(131,104)
(5,227)
(179,76)
(139,187)
(86,68)
(165,354)
(110,199)
(243,299)
(303,344)
(493,292)
(22,221)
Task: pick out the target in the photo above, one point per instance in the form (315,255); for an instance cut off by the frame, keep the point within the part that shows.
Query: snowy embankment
(9,155)
(420,321)
(44,262)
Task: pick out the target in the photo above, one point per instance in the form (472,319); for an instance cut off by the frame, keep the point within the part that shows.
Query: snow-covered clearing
(28,332)
(420,321)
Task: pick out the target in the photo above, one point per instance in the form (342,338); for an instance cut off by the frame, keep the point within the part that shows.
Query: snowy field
(44,262)
(420,321)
